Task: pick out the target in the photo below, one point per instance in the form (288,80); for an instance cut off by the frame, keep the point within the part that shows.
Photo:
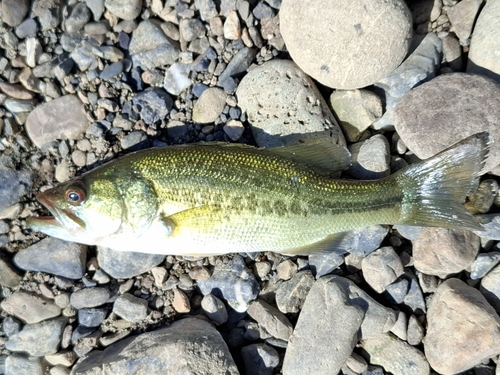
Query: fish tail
(434,190)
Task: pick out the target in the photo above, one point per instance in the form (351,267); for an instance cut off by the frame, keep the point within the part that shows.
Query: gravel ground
(82,83)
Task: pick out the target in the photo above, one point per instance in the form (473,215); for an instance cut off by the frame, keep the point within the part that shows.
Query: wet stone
(53,256)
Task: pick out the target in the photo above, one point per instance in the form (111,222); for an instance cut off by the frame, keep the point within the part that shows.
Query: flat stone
(38,339)
(16,91)
(330,41)
(395,355)
(356,110)
(284,107)
(123,265)
(209,106)
(30,308)
(381,268)
(319,345)
(462,16)
(443,252)
(13,11)
(131,308)
(50,121)
(8,277)
(233,282)
(89,297)
(173,349)
(126,10)
(462,104)
(270,319)
(236,67)
(54,256)
(472,328)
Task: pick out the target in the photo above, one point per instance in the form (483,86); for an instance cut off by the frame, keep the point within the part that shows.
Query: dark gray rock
(483,264)
(259,359)
(131,308)
(152,104)
(123,265)
(174,349)
(237,66)
(51,255)
(112,70)
(233,282)
(89,297)
(92,317)
(291,294)
(38,339)
(14,11)
(15,184)
(324,263)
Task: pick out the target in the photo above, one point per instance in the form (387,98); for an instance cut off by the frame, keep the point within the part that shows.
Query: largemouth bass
(205,199)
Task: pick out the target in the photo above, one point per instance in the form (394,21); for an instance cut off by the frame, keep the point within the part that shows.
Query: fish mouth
(61,219)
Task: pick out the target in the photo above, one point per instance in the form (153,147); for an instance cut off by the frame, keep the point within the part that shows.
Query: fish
(211,199)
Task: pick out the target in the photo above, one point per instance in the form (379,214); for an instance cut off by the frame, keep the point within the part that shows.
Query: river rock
(29,307)
(490,287)
(259,359)
(50,121)
(13,11)
(443,252)
(270,319)
(395,355)
(19,364)
(233,282)
(319,345)
(131,308)
(89,297)
(284,106)
(209,106)
(472,328)
(123,265)
(125,9)
(370,158)
(462,16)
(54,256)
(15,184)
(334,42)
(174,349)
(419,67)
(462,104)
(38,339)
(381,268)
(356,110)
(291,294)
(485,42)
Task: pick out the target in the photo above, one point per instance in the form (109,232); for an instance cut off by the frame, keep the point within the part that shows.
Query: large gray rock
(176,349)
(125,9)
(485,42)
(336,42)
(51,255)
(29,307)
(457,105)
(123,265)
(50,121)
(319,345)
(471,325)
(284,106)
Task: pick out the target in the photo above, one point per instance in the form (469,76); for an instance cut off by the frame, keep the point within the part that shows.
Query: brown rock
(463,330)
(443,252)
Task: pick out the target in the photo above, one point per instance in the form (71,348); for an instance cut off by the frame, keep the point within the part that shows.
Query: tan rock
(181,302)
(463,330)
(443,252)
(209,106)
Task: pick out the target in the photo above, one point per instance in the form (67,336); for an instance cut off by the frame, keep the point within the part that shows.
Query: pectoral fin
(200,219)
(334,243)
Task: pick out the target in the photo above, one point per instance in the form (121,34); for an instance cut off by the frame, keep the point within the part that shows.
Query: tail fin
(435,189)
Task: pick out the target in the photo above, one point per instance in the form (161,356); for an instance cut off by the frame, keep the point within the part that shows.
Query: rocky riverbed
(84,82)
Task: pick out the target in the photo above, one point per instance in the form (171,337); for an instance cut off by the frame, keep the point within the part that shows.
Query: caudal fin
(435,189)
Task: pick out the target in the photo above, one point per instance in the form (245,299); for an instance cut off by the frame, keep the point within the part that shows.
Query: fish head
(83,210)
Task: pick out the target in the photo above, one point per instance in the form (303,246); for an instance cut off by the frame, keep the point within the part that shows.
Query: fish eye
(75,195)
